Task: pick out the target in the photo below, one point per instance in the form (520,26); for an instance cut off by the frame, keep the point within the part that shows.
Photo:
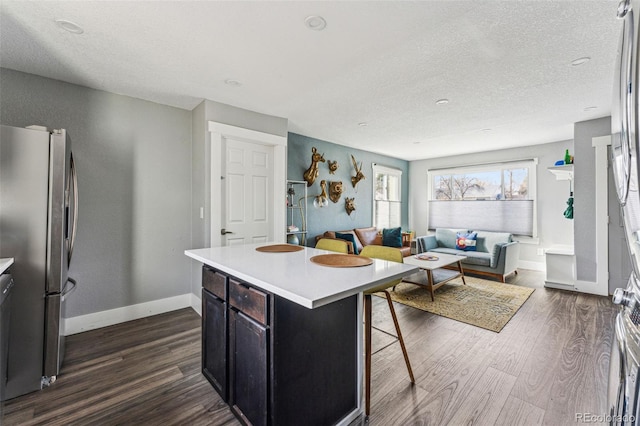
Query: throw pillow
(466,241)
(392,237)
(348,237)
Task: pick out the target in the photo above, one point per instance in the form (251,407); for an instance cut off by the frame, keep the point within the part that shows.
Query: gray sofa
(496,253)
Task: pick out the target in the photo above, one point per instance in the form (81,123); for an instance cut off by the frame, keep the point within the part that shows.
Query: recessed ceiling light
(363,124)
(580,61)
(233,83)
(69,26)
(316,23)
(590,108)
(442,101)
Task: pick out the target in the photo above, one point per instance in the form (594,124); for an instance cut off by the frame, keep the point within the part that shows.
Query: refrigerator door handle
(68,289)
(74,225)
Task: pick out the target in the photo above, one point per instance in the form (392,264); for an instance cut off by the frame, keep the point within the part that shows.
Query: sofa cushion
(367,236)
(477,258)
(487,240)
(349,236)
(447,237)
(426,243)
(392,237)
(448,251)
(466,241)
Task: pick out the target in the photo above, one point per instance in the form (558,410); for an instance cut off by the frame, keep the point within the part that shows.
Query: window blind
(388,214)
(513,216)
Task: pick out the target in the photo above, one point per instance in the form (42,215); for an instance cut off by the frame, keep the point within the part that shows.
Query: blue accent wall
(334,217)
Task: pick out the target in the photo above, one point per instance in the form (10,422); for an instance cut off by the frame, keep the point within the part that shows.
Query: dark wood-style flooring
(549,363)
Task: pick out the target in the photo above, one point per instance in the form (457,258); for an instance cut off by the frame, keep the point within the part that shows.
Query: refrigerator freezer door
(54,338)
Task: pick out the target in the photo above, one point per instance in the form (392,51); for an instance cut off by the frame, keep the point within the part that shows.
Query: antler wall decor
(359,175)
(311,173)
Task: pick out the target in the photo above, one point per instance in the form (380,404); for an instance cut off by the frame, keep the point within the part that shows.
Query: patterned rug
(483,303)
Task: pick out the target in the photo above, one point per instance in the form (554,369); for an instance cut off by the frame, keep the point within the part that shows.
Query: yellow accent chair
(339,246)
(394,255)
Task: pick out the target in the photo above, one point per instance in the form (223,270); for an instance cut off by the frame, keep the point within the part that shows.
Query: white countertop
(294,277)
(5,263)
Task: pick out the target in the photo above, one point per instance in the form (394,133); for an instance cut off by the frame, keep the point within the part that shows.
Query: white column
(601,286)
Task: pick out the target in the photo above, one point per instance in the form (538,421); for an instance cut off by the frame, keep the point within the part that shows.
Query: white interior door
(248,195)
(248,185)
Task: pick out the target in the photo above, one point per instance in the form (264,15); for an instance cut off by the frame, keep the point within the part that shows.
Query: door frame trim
(601,285)
(220,131)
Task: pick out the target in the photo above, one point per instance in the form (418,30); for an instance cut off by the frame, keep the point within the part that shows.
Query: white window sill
(526,240)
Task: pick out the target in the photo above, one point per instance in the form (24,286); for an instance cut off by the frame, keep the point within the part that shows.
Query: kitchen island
(282,335)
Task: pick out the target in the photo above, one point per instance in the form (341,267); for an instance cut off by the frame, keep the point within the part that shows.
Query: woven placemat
(279,248)
(341,260)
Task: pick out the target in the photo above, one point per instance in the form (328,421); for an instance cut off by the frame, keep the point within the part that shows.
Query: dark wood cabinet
(214,342)
(248,368)
(215,326)
(283,364)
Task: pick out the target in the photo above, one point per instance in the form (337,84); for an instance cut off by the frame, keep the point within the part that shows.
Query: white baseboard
(196,304)
(591,287)
(533,266)
(127,313)
(601,289)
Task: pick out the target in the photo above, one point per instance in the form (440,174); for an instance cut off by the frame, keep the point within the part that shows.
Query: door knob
(224,232)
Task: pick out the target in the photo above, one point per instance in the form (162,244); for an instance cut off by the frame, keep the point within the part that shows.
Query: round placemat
(279,248)
(341,260)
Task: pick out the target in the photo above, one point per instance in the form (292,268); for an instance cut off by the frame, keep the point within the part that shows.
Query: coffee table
(436,274)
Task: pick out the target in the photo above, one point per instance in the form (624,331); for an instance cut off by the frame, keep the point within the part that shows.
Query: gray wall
(134,169)
(553,227)
(585,204)
(201,165)
(334,217)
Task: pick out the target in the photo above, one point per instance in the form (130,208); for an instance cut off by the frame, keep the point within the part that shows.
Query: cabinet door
(248,368)
(214,342)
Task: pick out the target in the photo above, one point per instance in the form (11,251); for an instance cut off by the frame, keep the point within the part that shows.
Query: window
(387,190)
(495,197)
(508,184)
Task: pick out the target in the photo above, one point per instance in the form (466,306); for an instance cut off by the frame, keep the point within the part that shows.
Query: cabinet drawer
(214,281)
(248,300)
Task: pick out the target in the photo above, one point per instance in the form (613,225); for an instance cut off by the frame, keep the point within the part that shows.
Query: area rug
(483,303)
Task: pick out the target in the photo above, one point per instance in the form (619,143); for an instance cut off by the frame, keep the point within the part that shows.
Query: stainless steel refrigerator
(38,217)
(624,363)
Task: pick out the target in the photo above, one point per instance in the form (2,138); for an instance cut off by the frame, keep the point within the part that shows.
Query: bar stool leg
(395,322)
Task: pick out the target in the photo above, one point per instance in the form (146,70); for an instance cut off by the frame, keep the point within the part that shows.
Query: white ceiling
(503,65)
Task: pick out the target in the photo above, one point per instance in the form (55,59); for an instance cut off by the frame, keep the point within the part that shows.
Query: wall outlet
(540,252)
